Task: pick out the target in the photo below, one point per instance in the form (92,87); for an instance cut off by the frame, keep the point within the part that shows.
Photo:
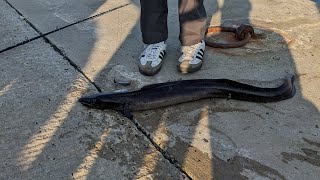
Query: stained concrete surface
(212,138)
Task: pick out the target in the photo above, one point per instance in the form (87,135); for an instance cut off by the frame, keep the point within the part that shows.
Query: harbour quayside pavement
(54,52)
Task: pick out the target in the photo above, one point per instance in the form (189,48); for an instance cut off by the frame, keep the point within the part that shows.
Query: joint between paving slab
(41,35)
(55,48)
(56,30)
(165,154)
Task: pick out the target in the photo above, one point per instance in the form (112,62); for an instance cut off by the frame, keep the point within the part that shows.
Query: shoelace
(153,51)
(189,51)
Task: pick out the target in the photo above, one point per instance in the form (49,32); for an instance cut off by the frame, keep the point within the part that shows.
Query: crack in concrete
(164,153)
(55,48)
(56,30)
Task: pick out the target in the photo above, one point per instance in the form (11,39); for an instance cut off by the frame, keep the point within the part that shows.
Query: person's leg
(153,21)
(192,18)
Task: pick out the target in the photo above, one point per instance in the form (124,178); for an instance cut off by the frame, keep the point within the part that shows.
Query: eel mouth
(89,101)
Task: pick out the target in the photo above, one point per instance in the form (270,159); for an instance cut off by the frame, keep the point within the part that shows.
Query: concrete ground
(54,52)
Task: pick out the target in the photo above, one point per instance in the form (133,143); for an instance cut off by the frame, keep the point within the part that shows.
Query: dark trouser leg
(153,21)
(192,17)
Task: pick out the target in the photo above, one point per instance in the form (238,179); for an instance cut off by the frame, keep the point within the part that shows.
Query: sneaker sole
(148,70)
(190,69)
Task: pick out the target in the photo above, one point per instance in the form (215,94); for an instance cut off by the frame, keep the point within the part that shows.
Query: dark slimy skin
(171,93)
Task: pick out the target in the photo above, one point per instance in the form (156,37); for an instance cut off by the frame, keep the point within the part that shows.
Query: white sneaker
(191,58)
(150,60)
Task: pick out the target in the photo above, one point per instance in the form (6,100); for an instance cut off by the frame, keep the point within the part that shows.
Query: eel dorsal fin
(170,83)
(152,86)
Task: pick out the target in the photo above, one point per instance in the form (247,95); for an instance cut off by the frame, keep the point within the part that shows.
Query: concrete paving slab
(13,27)
(46,134)
(49,15)
(218,138)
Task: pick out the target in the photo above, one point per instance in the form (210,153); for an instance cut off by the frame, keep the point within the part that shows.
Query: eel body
(171,93)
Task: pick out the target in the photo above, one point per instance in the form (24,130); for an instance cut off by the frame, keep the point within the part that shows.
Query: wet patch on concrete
(237,165)
(203,150)
(265,40)
(317,144)
(310,156)
(199,166)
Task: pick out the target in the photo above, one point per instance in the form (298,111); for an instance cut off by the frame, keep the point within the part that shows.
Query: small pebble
(122,82)
(316,126)
(276,58)
(22,18)
(315,134)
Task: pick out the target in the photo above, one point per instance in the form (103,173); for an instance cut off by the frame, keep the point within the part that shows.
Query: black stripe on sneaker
(162,53)
(161,56)
(201,54)
(199,57)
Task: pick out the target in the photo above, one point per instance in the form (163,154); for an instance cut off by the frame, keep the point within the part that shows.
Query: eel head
(107,101)
(102,101)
